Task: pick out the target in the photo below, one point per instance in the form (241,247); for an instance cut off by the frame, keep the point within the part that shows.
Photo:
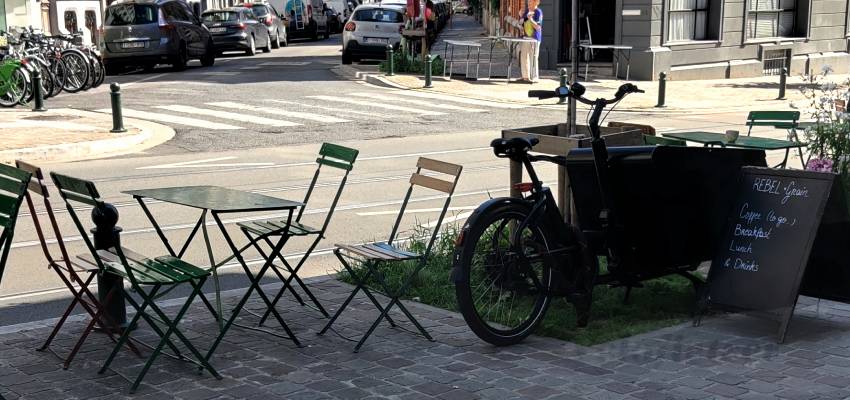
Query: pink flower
(819,165)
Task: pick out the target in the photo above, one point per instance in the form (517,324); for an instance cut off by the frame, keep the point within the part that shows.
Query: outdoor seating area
(126,276)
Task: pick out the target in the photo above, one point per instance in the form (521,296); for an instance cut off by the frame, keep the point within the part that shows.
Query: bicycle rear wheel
(77,68)
(504,286)
(57,68)
(14,89)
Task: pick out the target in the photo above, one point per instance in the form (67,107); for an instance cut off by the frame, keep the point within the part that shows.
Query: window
(220,16)
(130,14)
(71,21)
(688,20)
(772,18)
(378,15)
(175,13)
(91,24)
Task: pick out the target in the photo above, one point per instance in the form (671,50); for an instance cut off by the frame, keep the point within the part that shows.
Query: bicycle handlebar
(576,91)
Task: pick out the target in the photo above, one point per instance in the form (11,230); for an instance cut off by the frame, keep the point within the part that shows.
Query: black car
(237,29)
(268,15)
(149,32)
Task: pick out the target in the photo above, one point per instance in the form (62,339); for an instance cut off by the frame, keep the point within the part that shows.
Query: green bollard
(390,61)
(662,88)
(429,59)
(115,99)
(562,73)
(38,97)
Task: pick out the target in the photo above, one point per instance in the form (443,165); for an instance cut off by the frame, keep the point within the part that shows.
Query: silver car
(369,30)
(149,32)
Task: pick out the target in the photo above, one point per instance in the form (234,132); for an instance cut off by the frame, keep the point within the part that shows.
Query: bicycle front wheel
(77,71)
(13,89)
(505,276)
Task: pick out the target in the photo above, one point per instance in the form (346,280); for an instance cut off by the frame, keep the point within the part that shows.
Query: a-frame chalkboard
(768,243)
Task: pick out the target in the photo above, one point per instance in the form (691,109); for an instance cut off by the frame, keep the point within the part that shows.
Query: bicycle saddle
(513,147)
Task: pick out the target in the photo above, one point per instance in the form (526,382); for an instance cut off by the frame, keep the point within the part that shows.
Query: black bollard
(38,96)
(783,74)
(117,117)
(106,235)
(662,88)
(390,61)
(428,61)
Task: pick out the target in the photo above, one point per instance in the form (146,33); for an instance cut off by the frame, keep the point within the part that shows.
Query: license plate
(376,40)
(132,45)
(218,30)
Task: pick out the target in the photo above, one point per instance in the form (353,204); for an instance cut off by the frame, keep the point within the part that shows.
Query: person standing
(530,52)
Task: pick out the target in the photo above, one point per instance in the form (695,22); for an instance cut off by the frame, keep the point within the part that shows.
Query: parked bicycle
(514,255)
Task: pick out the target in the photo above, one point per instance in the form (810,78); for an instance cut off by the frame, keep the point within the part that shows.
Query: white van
(306,18)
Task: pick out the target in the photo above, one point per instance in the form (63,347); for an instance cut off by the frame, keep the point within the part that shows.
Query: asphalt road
(221,141)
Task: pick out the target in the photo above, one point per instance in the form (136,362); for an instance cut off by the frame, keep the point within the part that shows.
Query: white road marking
(174,119)
(420,210)
(379,105)
(228,115)
(283,63)
(417,102)
(147,78)
(203,163)
(344,111)
(219,73)
(446,220)
(456,99)
(275,111)
(249,67)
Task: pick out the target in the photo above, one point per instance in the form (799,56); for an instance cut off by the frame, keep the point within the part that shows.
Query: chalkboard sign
(769,236)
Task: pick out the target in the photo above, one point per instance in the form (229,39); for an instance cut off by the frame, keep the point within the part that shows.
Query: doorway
(597,15)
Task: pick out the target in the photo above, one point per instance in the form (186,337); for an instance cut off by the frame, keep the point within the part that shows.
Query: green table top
(747,142)
(215,198)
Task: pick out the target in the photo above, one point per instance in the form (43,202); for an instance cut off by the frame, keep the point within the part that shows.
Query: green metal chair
(662,141)
(331,156)
(788,120)
(374,255)
(13,188)
(146,276)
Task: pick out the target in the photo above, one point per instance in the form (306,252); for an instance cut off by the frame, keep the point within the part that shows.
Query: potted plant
(829,139)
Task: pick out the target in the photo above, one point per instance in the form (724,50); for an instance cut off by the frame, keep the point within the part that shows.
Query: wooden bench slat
(439,166)
(370,254)
(386,252)
(432,183)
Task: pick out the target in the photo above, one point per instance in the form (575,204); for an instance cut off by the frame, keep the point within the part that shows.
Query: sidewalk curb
(150,134)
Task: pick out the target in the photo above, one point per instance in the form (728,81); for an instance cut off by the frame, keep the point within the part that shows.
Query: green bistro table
(215,200)
(745,142)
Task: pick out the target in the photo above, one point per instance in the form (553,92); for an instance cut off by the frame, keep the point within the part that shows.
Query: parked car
(149,32)
(369,30)
(268,15)
(303,18)
(237,28)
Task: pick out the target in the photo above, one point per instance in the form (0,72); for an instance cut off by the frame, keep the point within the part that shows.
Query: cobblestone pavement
(729,356)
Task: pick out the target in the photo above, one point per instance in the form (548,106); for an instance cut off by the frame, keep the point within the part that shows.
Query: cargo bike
(645,211)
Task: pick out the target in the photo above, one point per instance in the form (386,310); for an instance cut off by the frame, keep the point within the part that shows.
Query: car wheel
(208,59)
(327,32)
(314,31)
(182,58)
(268,46)
(346,57)
(276,41)
(252,47)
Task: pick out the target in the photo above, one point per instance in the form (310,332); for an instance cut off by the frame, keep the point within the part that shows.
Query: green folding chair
(373,255)
(331,156)
(788,120)
(147,278)
(13,188)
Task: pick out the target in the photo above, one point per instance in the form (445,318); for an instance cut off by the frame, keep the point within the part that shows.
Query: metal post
(117,117)
(106,235)
(562,73)
(38,97)
(574,21)
(662,88)
(783,73)
(429,59)
(390,61)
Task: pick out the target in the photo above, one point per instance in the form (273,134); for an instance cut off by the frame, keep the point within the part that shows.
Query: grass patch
(660,303)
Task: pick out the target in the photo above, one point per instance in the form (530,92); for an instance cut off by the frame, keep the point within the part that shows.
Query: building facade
(701,39)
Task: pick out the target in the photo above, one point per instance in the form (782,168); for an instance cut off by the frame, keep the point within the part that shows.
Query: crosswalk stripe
(275,111)
(173,119)
(347,112)
(379,105)
(417,102)
(228,115)
(456,99)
